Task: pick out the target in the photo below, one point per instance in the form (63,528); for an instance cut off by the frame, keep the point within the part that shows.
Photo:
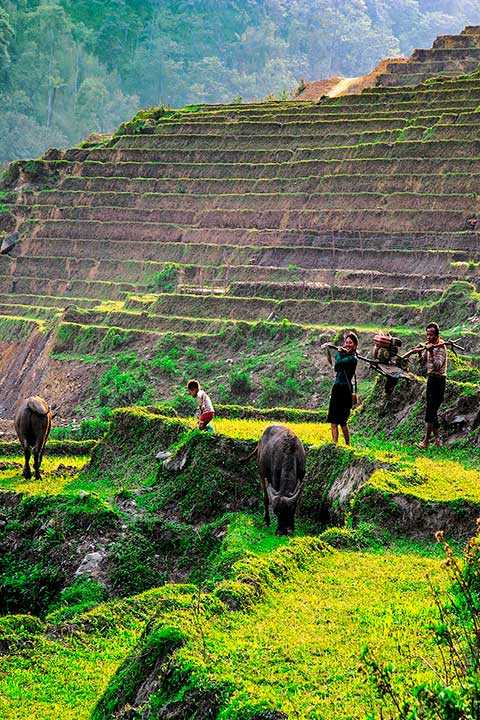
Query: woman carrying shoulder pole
(341,398)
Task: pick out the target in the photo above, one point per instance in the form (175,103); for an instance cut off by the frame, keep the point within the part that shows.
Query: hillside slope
(207,227)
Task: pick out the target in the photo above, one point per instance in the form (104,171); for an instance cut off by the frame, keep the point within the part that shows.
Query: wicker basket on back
(385,347)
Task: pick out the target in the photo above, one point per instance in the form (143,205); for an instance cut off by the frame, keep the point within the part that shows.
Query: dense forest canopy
(71,67)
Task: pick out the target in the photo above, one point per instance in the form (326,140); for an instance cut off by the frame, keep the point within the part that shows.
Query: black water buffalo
(33,420)
(281,461)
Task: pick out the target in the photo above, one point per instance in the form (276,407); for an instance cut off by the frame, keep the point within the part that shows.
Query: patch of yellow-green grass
(310,433)
(61,677)
(57,473)
(60,681)
(429,479)
(109,306)
(298,650)
(143,298)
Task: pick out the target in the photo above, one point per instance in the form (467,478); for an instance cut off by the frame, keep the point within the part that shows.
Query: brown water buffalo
(281,461)
(33,420)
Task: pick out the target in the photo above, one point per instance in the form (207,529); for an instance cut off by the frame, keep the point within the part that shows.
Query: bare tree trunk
(76,78)
(52,91)
(50,98)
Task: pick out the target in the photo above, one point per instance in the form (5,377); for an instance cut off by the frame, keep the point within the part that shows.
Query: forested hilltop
(71,67)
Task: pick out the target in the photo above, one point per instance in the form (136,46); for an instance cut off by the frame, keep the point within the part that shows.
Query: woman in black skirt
(341,399)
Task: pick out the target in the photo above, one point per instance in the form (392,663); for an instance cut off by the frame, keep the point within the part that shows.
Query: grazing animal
(33,420)
(281,461)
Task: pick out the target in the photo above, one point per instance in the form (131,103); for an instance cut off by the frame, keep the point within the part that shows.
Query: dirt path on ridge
(343,86)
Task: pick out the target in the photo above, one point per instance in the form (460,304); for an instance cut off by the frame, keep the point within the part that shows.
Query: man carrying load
(433,356)
(205,408)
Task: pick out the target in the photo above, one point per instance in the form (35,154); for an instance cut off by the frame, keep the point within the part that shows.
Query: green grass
(430,479)
(294,643)
(298,651)
(296,648)
(58,472)
(62,677)
(439,475)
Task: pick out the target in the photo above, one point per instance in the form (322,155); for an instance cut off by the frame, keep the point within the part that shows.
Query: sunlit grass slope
(60,675)
(298,651)
(296,647)
(445,474)
(57,474)
(310,433)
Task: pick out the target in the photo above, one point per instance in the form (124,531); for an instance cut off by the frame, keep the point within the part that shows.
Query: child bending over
(205,410)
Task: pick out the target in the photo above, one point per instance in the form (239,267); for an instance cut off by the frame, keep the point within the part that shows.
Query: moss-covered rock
(133,681)
(42,541)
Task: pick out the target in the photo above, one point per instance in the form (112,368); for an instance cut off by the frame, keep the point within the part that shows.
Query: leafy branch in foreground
(455,692)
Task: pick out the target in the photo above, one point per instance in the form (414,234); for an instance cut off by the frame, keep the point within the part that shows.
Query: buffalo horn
(291,499)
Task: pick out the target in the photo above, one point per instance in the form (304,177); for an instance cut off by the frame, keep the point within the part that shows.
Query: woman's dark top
(341,396)
(345,366)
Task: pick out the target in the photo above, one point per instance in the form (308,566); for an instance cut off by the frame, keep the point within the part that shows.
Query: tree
(6,35)
(71,67)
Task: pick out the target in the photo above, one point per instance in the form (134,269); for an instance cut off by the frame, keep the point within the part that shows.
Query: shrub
(89,428)
(167,363)
(166,279)
(240,382)
(279,389)
(184,403)
(27,586)
(112,340)
(117,387)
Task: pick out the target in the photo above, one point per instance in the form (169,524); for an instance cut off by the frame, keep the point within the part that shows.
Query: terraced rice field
(298,646)
(357,203)
(296,216)
(449,55)
(437,476)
